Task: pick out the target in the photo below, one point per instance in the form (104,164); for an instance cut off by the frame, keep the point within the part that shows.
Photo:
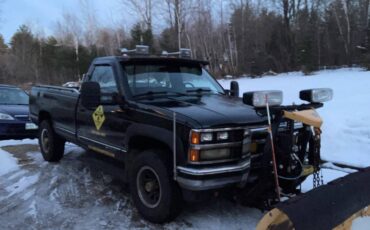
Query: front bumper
(214,177)
(16,130)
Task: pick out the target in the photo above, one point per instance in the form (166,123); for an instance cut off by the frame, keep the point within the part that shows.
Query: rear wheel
(51,145)
(156,196)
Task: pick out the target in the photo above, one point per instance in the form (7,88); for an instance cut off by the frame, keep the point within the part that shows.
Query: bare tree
(144,8)
(178,12)
(90,22)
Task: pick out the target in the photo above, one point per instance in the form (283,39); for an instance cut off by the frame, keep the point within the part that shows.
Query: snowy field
(346,128)
(76,194)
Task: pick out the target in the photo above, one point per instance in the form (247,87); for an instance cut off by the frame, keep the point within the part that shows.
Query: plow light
(316,95)
(258,98)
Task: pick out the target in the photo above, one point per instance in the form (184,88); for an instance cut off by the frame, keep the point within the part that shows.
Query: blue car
(15,122)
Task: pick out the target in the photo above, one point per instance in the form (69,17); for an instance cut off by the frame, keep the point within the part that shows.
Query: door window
(105,77)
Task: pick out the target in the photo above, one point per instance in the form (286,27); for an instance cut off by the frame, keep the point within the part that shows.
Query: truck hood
(211,111)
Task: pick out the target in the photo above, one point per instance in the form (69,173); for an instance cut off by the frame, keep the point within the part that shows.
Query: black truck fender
(143,136)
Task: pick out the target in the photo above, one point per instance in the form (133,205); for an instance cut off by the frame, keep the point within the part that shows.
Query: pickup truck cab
(170,123)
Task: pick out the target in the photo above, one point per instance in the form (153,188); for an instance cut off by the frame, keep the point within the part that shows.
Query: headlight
(4,116)
(221,136)
(316,95)
(258,98)
(206,137)
(247,132)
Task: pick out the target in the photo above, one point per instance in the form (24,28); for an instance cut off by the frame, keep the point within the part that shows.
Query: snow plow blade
(331,206)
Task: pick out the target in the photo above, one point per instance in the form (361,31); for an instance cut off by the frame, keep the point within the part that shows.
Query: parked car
(15,122)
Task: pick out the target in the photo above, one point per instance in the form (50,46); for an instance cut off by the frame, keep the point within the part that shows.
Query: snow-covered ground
(8,163)
(76,194)
(346,128)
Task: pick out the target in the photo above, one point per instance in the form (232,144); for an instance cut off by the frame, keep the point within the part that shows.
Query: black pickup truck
(174,128)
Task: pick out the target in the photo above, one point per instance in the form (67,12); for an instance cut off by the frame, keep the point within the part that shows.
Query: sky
(42,15)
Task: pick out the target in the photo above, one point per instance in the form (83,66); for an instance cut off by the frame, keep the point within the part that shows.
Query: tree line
(237,37)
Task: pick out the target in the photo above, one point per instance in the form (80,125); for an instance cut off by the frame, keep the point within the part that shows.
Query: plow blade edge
(332,206)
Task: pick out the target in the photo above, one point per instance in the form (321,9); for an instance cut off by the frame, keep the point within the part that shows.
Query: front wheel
(156,196)
(51,145)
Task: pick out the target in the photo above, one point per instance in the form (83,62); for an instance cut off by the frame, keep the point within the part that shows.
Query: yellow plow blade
(333,206)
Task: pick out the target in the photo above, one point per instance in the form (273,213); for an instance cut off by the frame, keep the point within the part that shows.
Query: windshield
(174,78)
(13,96)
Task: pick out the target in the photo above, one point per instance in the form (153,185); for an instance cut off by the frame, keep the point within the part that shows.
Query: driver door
(102,128)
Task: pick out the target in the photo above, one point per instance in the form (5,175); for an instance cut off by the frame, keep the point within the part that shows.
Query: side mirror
(234,89)
(90,94)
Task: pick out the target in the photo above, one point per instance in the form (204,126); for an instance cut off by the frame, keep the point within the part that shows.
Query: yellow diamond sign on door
(98,117)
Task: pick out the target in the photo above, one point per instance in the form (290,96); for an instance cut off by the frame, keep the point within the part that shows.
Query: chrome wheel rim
(149,187)
(45,140)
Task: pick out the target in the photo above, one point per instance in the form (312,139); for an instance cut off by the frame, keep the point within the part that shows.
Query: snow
(7,161)
(330,165)
(75,192)
(361,223)
(327,176)
(22,185)
(346,128)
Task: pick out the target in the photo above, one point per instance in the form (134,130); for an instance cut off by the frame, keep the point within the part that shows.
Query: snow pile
(346,129)
(7,161)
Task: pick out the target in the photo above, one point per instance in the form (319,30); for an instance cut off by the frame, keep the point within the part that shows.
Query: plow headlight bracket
(258,98)
(318,95)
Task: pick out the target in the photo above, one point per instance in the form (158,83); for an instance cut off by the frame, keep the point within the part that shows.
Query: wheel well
(44,116)
(138,144)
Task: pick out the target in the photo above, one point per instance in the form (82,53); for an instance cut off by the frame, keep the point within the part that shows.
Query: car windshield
(173,79)
(13,96)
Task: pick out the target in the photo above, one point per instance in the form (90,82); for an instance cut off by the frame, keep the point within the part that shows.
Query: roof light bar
(182,53)
(139,50)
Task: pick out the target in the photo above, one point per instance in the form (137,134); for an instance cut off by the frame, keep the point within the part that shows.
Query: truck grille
(258,138)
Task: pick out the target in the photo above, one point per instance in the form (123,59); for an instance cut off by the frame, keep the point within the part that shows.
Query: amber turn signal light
(194,155)
(195,138)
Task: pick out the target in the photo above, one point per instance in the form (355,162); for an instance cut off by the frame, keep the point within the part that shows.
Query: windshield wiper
(152,93)
(198,90)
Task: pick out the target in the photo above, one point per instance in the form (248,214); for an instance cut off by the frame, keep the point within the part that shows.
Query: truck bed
(59,103)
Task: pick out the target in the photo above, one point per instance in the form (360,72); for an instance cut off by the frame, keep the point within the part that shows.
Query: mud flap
(331,206)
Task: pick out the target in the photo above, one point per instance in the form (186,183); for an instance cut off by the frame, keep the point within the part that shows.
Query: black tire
(51,145)
(155,194)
